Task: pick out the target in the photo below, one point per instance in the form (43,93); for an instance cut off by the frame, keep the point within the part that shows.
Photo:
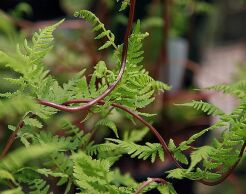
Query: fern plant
(76,163)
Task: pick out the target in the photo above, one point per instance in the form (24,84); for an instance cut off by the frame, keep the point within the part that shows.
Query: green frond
(39,186)
(167,189)
(11,62)
(135,135)
(178,155)
(6,175)
(124,4)
(108,123)
(33,122)
(13,191)
(141,152)
(33,181)
(100,148)
(48,172)
(33,55)
(177,173)
(160,86)
(42,43)
(208,108)
(200,154)
(93,176)
(237,89)
(98,26)
(26,154)
(18,105)
(47,137)
(186,144)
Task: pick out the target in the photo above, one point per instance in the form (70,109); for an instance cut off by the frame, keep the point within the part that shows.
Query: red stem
(148,182)
(136,116)
(152,129)
(11,139)
(13,136)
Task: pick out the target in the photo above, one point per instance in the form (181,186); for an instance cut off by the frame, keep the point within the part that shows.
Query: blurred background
(192,44)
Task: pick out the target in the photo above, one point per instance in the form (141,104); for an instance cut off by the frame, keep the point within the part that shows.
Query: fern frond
(42,43)
(208,108)
(141,152)
(33,122)
(135,135)
(236,89)
(108,123)
(93,176)
(100,148)
(200,154)
(6,175)
(167,189)
(17,105)
(98,26)
(48,172)
(13,191)
(26,154)
(11,62)
(39,186)
(178,155)
(124,4)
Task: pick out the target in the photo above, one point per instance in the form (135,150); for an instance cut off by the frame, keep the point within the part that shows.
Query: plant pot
(177,58)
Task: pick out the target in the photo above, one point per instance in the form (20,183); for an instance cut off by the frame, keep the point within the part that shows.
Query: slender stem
(11,139)
(152,129)
(136,116)
(13,136)
(148,182)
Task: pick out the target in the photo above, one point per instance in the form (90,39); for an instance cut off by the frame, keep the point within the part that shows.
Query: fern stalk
(153,130)
(13,136)
(136,116)
(148,182)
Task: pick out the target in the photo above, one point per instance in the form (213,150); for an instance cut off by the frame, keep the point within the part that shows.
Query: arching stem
(148,182)
(65,108)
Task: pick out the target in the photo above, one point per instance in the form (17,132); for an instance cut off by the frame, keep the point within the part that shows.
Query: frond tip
(98,26)
(208,108)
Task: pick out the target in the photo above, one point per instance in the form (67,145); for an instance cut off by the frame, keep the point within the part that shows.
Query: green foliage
(224,152)
(141,152)
(124,4)
(25,154)
(167,189)
(108,123)
(69,155)
(208,108)
(94,176)
(63,160)
(98,27)
(13,191)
